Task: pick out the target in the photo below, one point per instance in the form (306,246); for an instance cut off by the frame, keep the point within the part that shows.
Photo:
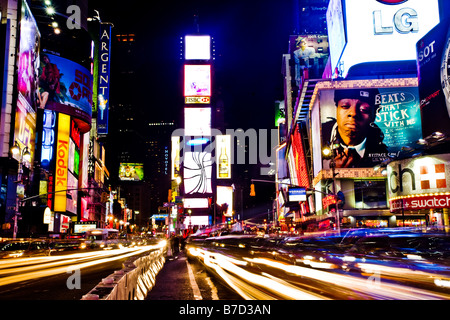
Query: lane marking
(194,285)
(214,295)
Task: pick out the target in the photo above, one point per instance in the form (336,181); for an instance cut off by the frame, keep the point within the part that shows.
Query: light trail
(39,267)
(269,284)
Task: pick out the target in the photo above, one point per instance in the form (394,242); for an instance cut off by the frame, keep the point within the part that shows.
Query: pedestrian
(176,245)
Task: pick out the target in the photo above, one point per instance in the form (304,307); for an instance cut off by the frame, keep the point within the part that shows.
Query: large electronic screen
(368,125)
(27,79)
(131,171)
(65,86)
(197,80)
(223,156)
(197,172)
(433,60)
(197,122)
(310,54)
(381,31)
(197,47)
(225,196)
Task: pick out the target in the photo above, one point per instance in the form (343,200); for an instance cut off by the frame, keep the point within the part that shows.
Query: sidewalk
(173,282)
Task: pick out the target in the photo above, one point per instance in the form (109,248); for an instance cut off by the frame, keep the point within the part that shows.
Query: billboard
(27,79)
(131,171)
(25,128)
(175,157)
(65,86)
(433,57)
(197,173)
(62,159)
(190,203)
(297,160)
(225,196)
(421,175)
(310,53)
(197,47)
(83,227)
(336,31)
(103,79)
(379,31)
(223,156)
(197,80)
(197,122)
(196,221)
(28,57)
(369,124)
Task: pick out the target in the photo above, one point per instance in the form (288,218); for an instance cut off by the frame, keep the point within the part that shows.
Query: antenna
(196,21)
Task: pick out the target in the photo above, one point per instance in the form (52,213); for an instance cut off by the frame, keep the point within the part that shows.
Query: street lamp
(329,153)
(23,154)
(190,221)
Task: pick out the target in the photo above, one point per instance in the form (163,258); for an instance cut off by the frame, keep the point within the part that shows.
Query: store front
(419,191)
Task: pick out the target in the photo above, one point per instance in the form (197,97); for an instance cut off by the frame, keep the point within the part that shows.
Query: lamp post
(329,153)
(23,154)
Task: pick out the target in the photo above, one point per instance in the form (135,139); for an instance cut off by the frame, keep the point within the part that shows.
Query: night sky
(250,38)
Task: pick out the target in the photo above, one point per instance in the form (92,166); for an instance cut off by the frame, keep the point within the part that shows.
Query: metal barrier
(133,281)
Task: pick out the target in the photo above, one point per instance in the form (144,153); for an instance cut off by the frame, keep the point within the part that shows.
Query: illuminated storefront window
(370,194)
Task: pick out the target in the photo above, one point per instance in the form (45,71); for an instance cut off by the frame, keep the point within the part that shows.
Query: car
(315,252)
(66,245)
(418,259)
(23,248)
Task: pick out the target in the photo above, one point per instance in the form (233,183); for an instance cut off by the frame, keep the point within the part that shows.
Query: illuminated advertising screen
(197,122)
(225,195)
(426,175)
(433,59)
(82,228)
(197,80)
(25,127)
(223,156)
(191,203)
(64,223)
(310,54)
(28,57)
(62,160)
(197,172)
(27,78)
(65,86)
(131,171)
(197,221)
(336,31)
(175,157)
(368,125)
(383,31)
(72,195)
(197,47)
(48,138)
(298,160)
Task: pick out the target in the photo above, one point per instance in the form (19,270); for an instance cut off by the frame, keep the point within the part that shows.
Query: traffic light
(252,190)
(104,197)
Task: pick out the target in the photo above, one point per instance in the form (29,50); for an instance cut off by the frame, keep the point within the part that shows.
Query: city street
(219,158)
(61,277)
(183,279)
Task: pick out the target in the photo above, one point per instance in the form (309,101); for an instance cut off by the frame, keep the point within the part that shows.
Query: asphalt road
(181,279)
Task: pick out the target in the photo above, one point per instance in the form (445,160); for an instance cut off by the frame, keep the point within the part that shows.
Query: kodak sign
(62,160)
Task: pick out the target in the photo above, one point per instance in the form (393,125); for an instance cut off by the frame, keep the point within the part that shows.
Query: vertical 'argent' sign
(103,78)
